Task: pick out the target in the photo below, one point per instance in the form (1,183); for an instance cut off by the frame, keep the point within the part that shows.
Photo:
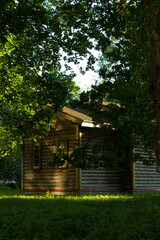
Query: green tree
(126,32)
(10,166)
(33,34)
(32,88)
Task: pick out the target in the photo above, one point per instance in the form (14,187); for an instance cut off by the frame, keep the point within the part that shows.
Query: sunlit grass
(11,193)
(108,217)
(48,195)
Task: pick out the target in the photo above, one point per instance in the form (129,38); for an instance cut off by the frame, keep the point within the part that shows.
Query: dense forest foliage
(32,38)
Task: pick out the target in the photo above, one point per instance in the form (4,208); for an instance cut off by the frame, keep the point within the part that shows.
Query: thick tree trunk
(152,12)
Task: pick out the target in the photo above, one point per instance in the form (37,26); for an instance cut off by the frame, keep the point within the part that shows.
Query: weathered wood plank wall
(98,180)
(146,177)
(47,178)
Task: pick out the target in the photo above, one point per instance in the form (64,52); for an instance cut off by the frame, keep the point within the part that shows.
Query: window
(36,160)
(62,149)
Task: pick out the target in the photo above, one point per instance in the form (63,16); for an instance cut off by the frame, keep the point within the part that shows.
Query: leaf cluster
(33,34)
(30,78)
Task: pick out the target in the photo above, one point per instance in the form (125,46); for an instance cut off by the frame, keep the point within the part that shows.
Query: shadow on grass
(117,217)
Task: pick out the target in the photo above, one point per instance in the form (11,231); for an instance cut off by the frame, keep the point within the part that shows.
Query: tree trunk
(152,32)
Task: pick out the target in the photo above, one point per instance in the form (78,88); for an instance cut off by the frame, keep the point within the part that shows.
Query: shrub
(8,186)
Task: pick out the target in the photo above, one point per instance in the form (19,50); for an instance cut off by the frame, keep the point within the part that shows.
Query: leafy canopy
(33,34)
(32,88)
(123,32)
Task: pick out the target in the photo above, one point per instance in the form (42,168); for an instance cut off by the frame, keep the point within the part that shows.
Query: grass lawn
(109,217)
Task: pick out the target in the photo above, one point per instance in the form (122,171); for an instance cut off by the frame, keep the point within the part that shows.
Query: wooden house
(67,131)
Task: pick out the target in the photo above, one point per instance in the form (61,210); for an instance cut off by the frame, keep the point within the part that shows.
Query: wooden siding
(146,177)
(98,180)
(48,178)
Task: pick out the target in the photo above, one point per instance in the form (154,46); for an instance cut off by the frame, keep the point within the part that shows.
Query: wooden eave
(76,114)
(70,118)
(78,118)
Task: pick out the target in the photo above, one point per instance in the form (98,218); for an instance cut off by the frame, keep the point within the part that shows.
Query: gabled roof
(77,116)
(77,113)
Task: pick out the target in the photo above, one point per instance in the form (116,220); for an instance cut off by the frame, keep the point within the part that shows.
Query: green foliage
(57,161)
(8,186)
(30,78)
(125,68)
(33,35)
(119,217)
(10,167)
(109,150)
